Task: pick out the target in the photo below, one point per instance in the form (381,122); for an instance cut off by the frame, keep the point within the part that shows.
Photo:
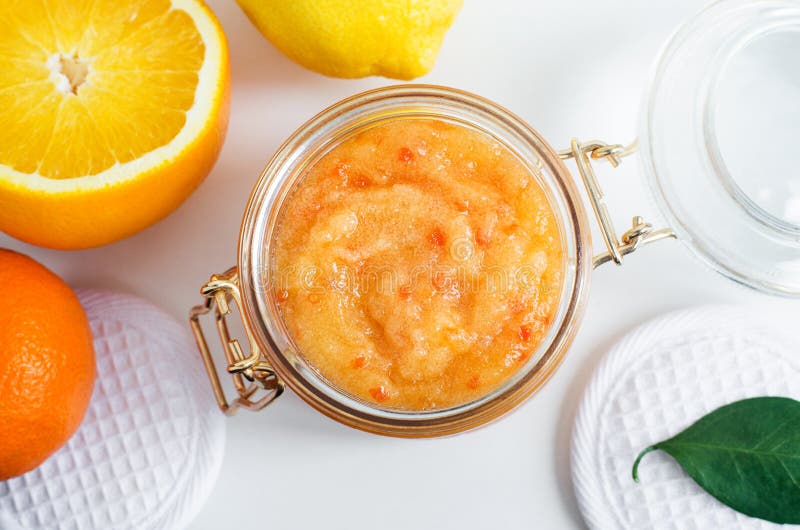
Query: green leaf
(746,454)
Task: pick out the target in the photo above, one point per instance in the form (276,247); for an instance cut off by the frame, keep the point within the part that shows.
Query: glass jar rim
(283,172)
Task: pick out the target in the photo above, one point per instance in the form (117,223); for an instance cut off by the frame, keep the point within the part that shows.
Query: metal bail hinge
(253,378)
(641,232)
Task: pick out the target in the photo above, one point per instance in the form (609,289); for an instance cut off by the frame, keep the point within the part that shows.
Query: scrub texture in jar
(417,265)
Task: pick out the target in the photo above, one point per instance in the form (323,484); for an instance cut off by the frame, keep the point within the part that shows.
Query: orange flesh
(418,265)
(86,84)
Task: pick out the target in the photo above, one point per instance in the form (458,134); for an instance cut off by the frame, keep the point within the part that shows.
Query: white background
(570,68)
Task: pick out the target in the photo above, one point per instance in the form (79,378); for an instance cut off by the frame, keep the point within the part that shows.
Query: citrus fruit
(47,366)
(111,113)
(352,38)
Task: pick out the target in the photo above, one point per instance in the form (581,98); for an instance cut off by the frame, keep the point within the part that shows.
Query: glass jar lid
(718,140)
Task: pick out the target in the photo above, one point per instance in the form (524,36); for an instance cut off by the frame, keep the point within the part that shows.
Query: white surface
(150,446)
(659,379)
(569,67)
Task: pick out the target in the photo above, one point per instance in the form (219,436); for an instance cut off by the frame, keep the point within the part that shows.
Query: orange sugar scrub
(418,265)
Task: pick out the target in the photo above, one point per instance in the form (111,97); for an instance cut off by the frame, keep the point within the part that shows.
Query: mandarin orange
(47,366)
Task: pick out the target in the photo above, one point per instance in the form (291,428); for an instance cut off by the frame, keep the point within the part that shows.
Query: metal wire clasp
(641,232)
(253,378)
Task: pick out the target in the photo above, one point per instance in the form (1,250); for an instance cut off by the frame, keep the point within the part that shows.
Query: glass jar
(255,273)
(718,215)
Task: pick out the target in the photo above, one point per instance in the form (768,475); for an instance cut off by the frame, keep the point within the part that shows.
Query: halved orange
(111,113)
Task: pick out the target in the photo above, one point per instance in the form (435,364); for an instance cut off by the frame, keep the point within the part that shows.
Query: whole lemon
(356,38)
